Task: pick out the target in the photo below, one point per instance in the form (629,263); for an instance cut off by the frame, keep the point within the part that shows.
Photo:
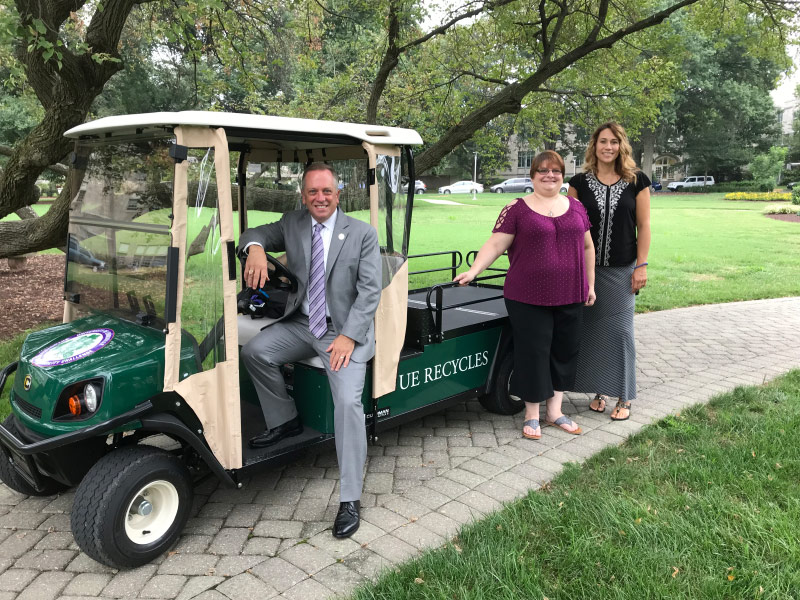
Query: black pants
(546,343)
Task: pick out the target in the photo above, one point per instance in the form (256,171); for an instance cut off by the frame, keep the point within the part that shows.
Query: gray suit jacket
(352,271)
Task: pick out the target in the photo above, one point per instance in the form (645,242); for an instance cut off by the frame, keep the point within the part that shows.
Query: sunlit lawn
(705,249)
(700,505)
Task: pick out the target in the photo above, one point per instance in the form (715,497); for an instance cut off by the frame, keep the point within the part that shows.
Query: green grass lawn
(700,505)
(705,249)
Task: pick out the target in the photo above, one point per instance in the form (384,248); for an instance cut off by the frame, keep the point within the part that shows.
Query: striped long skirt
(607,357)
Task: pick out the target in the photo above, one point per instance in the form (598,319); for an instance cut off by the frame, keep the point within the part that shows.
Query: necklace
(552,203)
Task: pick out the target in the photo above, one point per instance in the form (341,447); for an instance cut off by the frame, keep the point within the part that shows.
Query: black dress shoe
(347,519)
(276,434)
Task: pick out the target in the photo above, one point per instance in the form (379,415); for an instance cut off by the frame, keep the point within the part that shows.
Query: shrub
(759,196)
(727,186)
(780,209)
(766,185)
(796,195)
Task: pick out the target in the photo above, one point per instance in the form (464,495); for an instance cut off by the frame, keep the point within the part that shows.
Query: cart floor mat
(253,424)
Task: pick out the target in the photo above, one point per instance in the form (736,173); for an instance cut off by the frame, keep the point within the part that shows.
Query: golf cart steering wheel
(281,278)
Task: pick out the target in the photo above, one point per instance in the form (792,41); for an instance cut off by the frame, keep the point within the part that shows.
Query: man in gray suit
(336,260)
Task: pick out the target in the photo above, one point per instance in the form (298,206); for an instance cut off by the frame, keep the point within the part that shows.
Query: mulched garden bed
(790,218)
(32,294)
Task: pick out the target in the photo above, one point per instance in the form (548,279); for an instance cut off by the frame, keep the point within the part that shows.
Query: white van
(693,181)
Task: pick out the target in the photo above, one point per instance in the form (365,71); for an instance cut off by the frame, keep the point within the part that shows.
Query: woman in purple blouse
(550,278)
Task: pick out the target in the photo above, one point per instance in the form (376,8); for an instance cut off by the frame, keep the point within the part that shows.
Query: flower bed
(759,196)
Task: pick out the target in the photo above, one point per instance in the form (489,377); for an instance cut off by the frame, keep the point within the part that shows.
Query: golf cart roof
(297,133)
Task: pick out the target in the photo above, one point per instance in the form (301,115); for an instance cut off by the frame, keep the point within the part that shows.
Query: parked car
(655,186)
(520,184)
(693,181)
(81,255)
(792,184)
(515,184)
(462,187)
(419,187)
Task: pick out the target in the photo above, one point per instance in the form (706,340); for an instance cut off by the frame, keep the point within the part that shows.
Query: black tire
(498,400)
(446,192)
(419,191)
(499,190)
(102,519)
(528,190)
(13,479)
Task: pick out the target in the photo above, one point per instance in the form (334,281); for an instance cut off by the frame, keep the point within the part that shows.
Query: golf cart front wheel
(499,400)
(132,506)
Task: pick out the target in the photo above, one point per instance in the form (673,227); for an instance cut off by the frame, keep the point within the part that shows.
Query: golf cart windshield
(119,230)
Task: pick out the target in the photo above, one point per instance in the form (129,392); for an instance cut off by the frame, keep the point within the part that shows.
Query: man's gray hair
(319,166)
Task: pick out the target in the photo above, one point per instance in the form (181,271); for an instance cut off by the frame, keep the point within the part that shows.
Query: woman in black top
(616,195)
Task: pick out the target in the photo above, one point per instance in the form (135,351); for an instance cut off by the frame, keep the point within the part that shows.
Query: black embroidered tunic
(612,213)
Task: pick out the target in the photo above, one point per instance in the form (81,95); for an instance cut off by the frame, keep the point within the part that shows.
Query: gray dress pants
(288,341)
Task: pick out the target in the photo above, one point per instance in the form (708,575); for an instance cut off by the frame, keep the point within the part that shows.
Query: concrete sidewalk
(424,480)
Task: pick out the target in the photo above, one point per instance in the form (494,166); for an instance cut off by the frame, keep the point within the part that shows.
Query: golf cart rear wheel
(9,475)
(132,506)
(499,401)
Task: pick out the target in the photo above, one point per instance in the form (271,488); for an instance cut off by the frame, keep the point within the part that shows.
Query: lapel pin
(341,236)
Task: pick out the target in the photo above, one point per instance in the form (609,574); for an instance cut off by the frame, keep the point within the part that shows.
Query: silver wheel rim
(151,512)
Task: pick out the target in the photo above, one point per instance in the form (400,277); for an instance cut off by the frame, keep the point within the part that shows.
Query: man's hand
(255,268)
(341,348)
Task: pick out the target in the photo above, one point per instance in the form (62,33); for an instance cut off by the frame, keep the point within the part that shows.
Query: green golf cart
(140,391)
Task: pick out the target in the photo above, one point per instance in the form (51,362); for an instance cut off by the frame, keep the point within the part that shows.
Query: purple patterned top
(546,258)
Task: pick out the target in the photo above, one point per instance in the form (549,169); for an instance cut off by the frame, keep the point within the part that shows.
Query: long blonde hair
(624,164)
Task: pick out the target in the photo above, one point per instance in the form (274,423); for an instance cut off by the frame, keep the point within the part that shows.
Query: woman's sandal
(533,424)
(565,420)
(621,404)
(603,399)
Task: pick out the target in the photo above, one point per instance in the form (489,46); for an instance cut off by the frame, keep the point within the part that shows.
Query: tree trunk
(648,151)
(66,93)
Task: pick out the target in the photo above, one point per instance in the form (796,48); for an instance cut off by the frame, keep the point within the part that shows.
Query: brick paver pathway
(424,480)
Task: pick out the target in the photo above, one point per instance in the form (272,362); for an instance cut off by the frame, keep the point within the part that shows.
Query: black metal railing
(437,309)
(471,257)
(457,260)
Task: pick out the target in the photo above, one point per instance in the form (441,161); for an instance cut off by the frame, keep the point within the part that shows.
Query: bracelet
(644,264)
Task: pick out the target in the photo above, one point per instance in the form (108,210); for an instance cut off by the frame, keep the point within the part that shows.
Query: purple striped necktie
(316,286)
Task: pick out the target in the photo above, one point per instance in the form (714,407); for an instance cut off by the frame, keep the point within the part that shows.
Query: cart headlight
(79,400)
(90,397)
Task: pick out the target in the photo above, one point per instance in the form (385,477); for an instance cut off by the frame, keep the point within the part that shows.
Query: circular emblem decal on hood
(73,348)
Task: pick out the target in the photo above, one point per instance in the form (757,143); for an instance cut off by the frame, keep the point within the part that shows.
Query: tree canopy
(471,72)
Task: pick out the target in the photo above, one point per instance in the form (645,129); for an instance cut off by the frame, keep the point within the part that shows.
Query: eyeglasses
(548,171)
